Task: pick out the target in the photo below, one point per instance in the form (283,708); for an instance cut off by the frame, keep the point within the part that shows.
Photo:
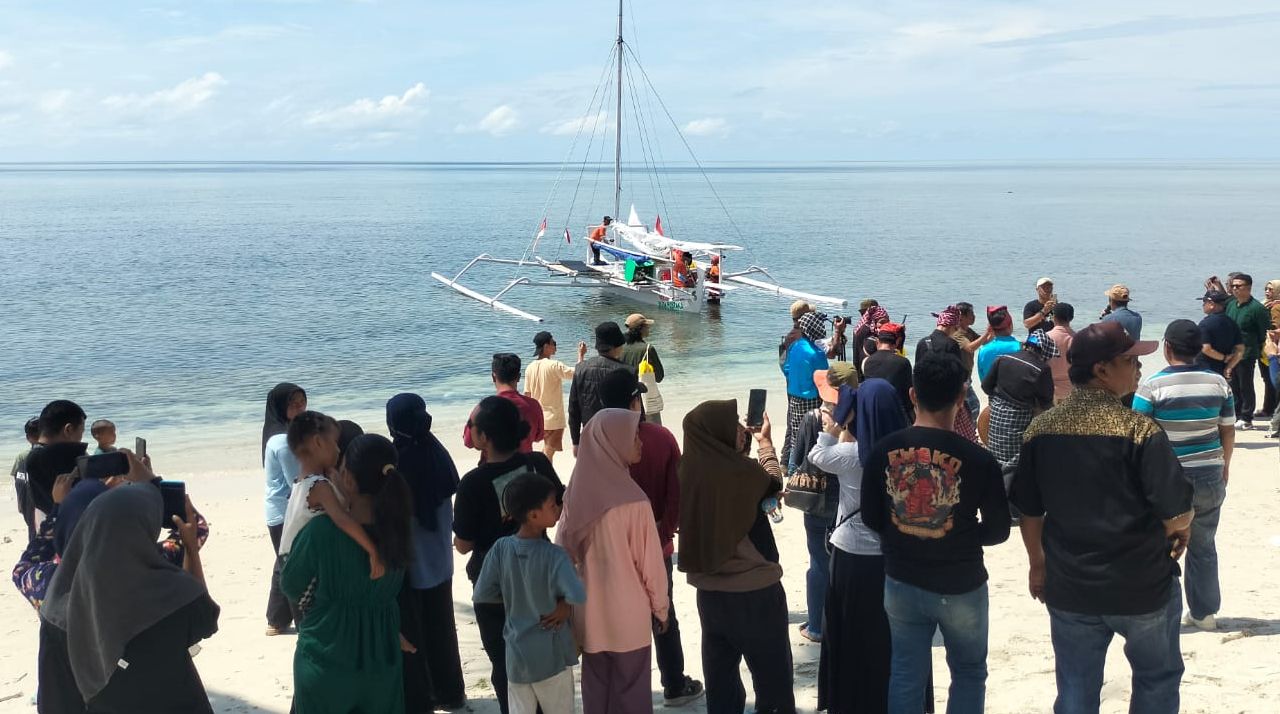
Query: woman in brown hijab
(728,552)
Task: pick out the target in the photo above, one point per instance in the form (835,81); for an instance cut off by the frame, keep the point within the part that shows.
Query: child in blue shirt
(536,584)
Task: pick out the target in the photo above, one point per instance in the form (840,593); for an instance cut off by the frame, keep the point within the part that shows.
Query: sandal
(805,633)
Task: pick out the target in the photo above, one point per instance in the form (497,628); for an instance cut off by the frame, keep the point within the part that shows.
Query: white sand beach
(1234,670)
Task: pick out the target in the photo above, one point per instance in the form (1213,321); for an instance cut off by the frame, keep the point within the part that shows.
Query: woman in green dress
(348,658)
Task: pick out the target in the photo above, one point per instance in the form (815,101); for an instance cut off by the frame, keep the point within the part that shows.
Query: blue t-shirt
(1128,319)
(527,575)
(282,470)
(803,359)
(993,350)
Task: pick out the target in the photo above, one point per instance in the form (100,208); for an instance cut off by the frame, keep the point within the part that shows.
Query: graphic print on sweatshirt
(924,486)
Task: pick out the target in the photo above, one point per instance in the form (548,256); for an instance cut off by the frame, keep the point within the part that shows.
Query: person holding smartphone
(136,614)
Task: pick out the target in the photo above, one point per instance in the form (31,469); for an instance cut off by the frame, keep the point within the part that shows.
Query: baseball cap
(1118,292)
(1214,296)
(867,304)
(1104,341)
(1183,336)
(1042,281)
(845,404)
(798,308)
(609,336)
(635,319)
(826,392)
(619,387)
(840,373)
(542,339)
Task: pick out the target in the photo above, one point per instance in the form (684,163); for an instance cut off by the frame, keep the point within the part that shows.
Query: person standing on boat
(638,350)
(598,236)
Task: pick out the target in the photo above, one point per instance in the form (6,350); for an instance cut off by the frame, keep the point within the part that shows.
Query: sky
(744,80)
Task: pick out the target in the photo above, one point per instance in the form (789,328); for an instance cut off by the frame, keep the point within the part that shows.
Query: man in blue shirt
(1118,311)
(1195,408)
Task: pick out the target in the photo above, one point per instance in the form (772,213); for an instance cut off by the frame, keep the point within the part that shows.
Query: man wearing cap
(1197,411)
(657,474)
(584,391)
(1106,513)
(1223,344)
(890,366)
(1037,314)
(1118,311)
(1254,321)
(864,332)
(638,350)
(1002,343)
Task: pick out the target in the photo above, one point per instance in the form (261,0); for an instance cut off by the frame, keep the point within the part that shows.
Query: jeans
(816,531)
(1243,391)
(1150,644)
(666,645)
(972,404)
(1203,595)
(914,614)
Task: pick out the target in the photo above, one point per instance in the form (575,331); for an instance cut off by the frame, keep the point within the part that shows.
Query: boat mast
(617,151)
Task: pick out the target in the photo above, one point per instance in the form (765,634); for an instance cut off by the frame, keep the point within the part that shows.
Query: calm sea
(171,297)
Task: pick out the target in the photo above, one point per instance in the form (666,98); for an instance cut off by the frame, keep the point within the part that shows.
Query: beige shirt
(1063,337)
(544,381)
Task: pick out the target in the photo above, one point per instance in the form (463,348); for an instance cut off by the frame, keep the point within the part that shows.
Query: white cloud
(235,33)
(365,113)
(709,126)
(6,60)
(183,97)
(569,127)
(501,121)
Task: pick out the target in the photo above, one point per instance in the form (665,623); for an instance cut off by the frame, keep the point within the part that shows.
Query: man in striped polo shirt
(1196,409)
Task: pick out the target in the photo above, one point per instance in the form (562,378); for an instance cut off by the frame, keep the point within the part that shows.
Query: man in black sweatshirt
(923,489)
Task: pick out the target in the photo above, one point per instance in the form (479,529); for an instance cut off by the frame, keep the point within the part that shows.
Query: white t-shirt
(298,514)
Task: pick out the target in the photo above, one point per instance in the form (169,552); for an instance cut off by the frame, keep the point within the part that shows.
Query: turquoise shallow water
(171,297)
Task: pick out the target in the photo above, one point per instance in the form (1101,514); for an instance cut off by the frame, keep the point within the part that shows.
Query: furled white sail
(661,246)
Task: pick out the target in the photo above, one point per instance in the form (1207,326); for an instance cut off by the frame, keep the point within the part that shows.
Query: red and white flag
(542,229)
(567,239)
(657,226)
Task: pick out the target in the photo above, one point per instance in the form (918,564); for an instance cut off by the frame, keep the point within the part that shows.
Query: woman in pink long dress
(609,532)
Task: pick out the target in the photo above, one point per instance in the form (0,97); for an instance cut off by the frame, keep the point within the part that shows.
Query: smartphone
(755,407)
(102,466)
(140,447)
(174,494)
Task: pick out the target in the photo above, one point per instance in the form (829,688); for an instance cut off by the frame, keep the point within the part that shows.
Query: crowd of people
(903,478)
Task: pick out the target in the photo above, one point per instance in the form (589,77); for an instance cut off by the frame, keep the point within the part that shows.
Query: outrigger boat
(629,260)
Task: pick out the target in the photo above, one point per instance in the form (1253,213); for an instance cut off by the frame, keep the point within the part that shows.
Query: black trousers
(491,618)
(280,612)
(667,645)
(853,674)
(750,626)
(433,674)
(1242,389)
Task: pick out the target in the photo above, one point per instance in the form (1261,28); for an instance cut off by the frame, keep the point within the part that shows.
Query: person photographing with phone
(137,616)
(728,553)
(1038,314)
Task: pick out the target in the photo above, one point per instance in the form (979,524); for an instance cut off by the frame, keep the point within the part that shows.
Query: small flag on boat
(542,229)
(567,239)
(657,226)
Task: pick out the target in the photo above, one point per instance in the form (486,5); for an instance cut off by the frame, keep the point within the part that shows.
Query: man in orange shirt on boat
(598,234)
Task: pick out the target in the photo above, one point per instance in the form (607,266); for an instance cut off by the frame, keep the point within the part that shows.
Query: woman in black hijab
(135,614)
(432,675)
(279,400)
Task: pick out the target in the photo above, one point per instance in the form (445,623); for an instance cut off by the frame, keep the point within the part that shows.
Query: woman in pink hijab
(608,529)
